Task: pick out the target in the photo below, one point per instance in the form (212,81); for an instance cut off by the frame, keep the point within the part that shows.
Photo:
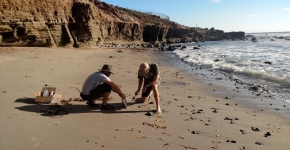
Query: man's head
(144,69)
(107,70)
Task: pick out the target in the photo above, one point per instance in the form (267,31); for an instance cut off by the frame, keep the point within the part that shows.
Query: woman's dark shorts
(147,92)
(97,92)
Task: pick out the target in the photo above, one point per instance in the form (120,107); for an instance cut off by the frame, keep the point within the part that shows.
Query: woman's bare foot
(158,111)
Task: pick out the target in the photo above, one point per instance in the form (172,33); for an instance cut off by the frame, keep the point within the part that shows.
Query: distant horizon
(270,32)
(230,16)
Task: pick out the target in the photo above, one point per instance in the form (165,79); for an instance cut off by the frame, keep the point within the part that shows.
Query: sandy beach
(196,115)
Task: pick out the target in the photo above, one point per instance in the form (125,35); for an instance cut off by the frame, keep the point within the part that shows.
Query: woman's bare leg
(157,98)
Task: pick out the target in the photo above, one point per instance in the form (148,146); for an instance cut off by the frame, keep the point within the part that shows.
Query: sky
(249,16)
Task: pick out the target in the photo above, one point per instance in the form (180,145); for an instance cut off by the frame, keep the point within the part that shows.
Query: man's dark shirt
(154,71)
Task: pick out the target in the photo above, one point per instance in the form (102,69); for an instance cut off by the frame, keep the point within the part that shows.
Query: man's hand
(122,96)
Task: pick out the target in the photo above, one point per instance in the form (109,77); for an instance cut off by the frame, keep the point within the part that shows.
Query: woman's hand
(137,92)
(144,89)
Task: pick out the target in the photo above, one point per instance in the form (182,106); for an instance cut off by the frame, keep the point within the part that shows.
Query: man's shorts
(147,92)
(97,92)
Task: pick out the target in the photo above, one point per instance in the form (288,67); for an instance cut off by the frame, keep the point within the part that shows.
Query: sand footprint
(35,141)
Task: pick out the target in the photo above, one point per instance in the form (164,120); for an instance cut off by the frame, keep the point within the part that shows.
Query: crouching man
(149,74)
(99,85)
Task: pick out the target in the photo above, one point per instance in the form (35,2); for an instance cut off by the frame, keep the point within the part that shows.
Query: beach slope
(193,116)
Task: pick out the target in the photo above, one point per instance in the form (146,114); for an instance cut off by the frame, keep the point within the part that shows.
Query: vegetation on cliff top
(149,17)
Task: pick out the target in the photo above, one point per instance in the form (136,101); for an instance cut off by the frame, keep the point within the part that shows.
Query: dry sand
(187,103)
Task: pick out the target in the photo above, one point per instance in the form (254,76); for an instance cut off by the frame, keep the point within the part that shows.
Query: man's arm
(140,82)
(116,89)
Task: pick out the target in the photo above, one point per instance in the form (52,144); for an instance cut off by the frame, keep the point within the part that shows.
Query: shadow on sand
(60,110)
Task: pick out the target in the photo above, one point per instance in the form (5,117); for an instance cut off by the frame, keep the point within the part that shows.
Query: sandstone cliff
(74,23)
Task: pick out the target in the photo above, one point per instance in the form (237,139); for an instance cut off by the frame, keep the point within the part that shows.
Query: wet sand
(196,113)
(244,91)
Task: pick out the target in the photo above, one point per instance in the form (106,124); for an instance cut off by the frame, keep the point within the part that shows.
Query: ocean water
(265,63)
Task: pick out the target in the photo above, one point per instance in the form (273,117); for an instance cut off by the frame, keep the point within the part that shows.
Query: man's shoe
(107,107)
(92,104)
(124,103)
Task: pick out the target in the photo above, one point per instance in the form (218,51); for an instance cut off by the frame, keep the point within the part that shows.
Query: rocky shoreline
(236,88)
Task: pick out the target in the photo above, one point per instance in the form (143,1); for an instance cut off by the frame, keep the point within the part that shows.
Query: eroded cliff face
(64,23)
(74,23)
(32,23)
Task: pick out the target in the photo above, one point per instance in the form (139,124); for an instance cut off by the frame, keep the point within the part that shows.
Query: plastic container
(51,94)
(45,93)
